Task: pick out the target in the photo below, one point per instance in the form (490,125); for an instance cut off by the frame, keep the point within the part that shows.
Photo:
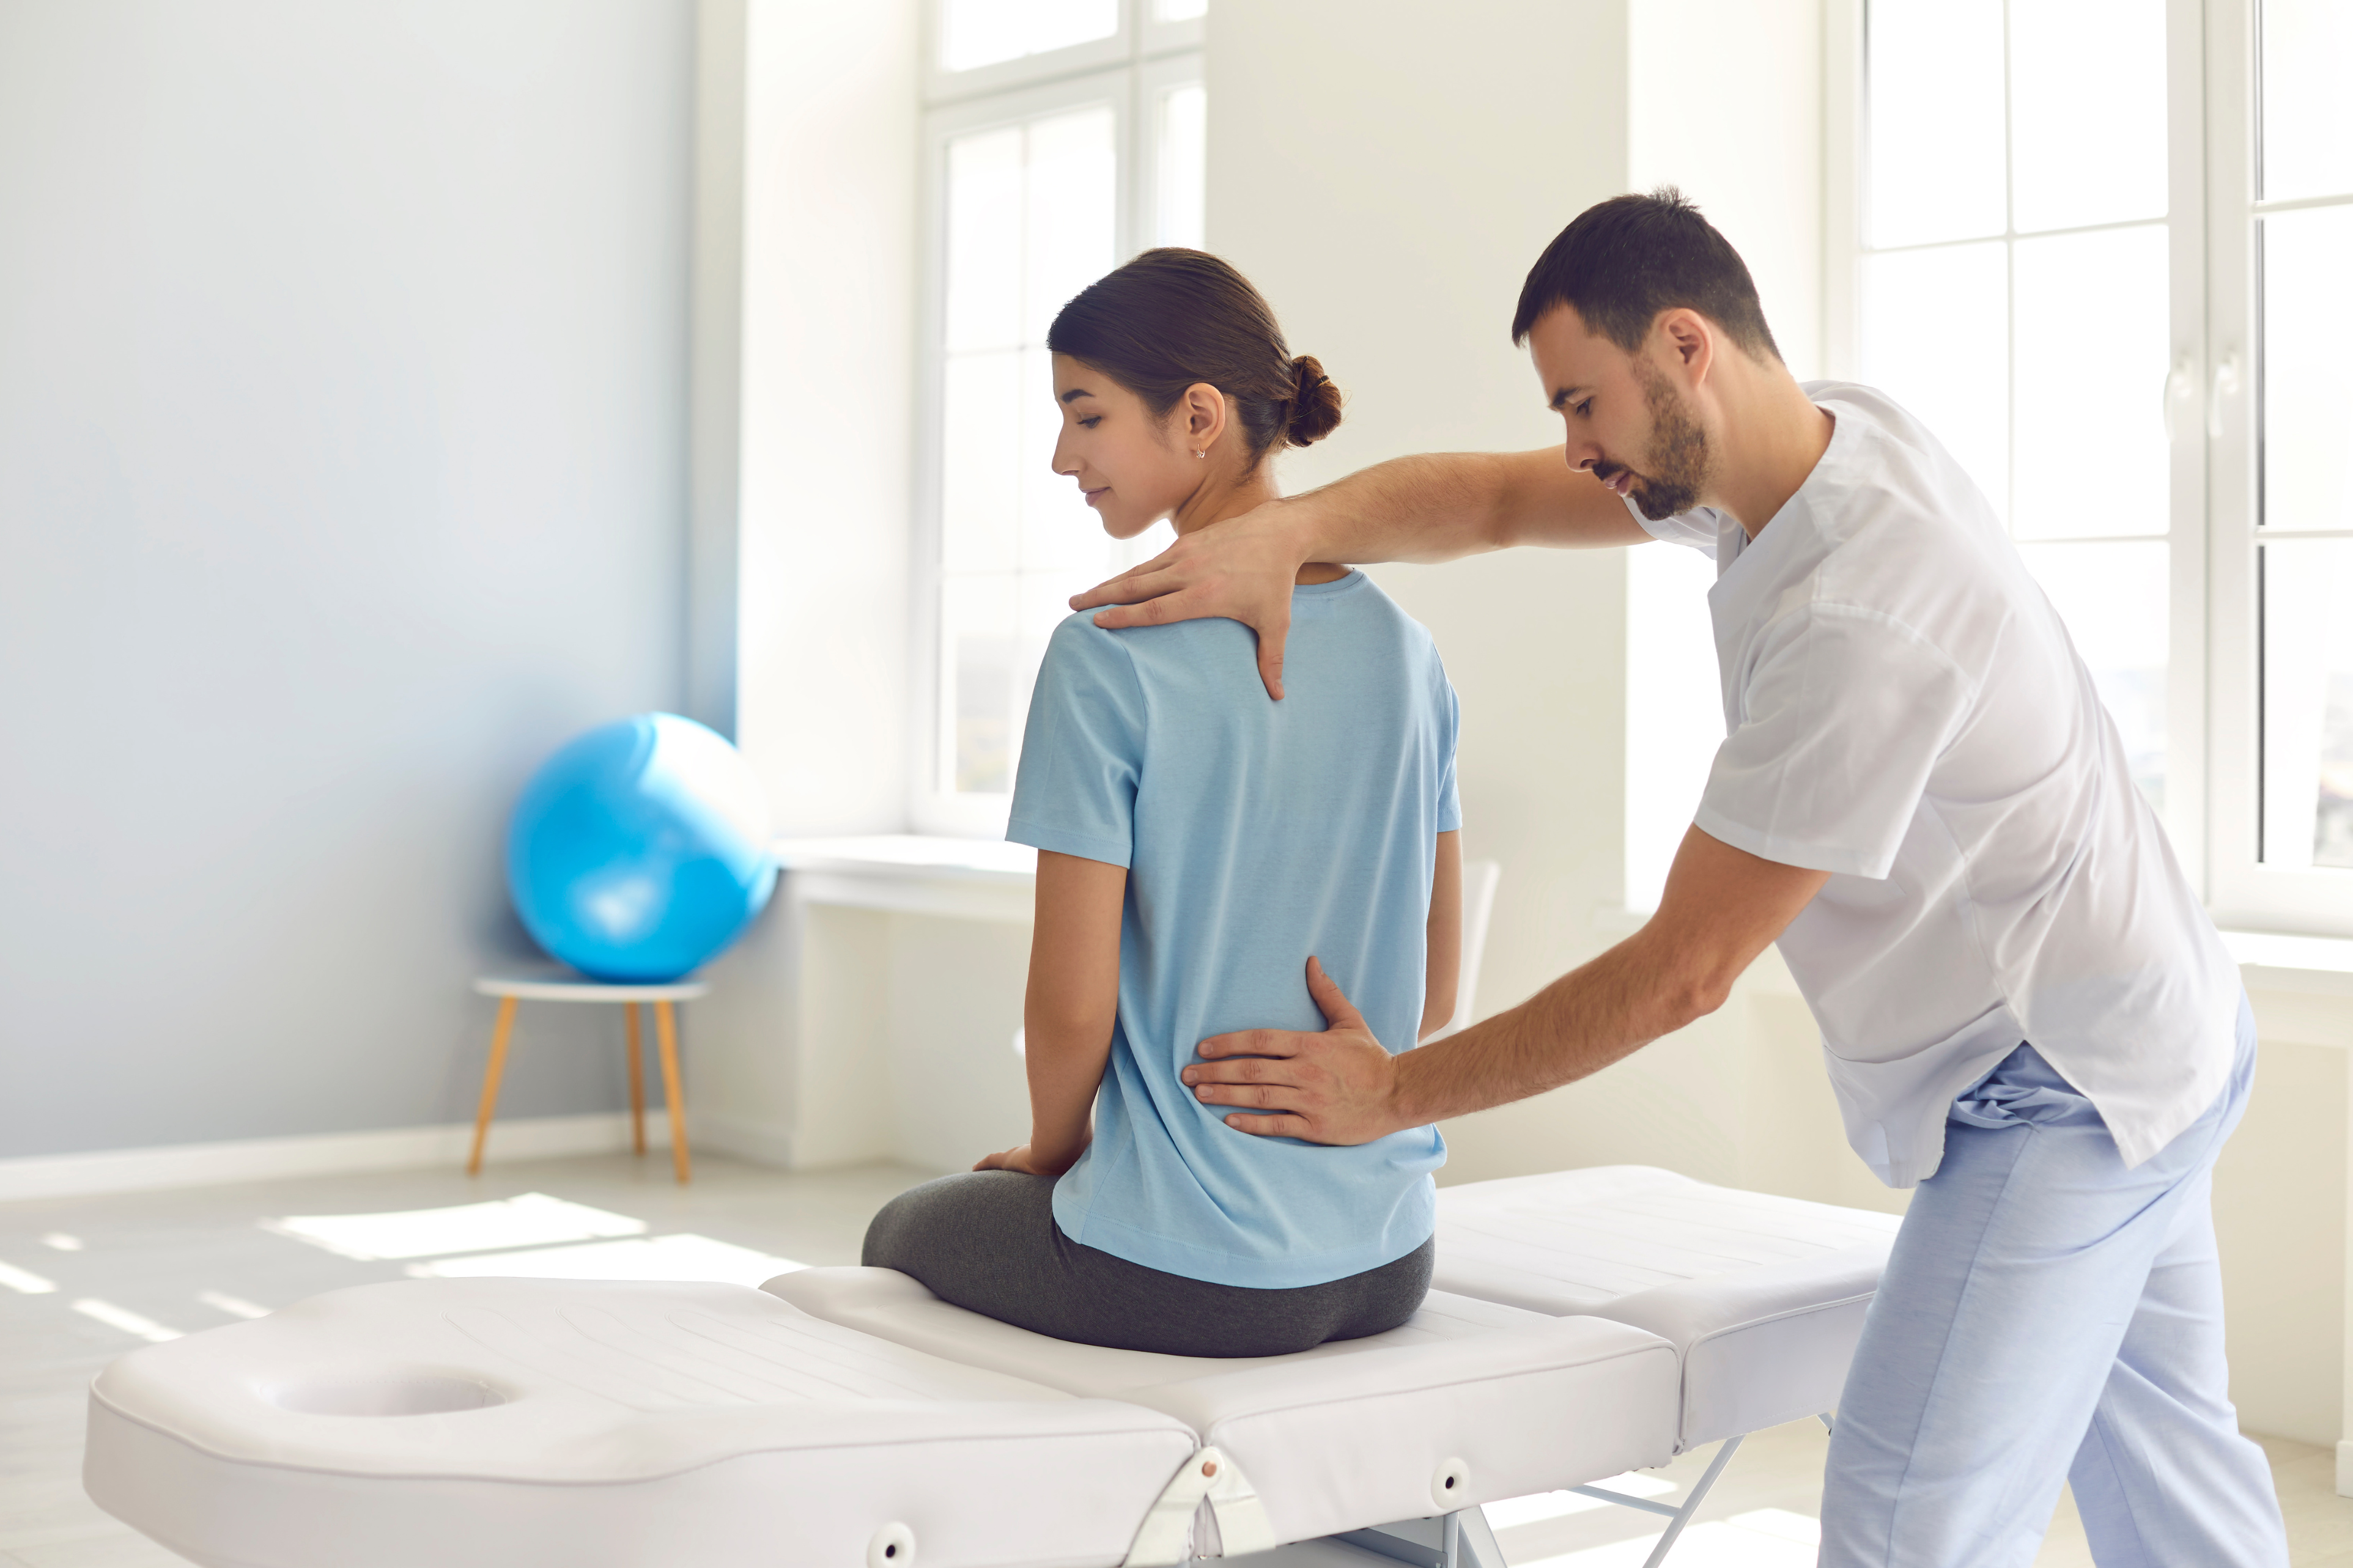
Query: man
(2027,1016)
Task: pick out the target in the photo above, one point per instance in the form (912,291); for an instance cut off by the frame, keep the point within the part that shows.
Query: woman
(1204,857)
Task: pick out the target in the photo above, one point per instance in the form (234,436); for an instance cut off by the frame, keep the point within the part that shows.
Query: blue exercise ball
(640,850)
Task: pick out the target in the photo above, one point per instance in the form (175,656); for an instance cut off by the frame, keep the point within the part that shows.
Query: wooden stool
(510,991)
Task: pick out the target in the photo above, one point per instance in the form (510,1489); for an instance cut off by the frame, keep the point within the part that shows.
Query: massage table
(1584,1324)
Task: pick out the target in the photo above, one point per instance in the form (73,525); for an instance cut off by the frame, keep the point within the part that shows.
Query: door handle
(2226,384)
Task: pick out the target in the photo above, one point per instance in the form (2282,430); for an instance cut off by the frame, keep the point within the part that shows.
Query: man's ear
(1688,341)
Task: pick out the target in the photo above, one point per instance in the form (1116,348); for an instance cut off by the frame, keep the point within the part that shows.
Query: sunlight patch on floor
(1766,1537)
(534,1219)
(1513,1512)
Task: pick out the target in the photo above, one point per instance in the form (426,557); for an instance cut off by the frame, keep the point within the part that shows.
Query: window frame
(2213,702)
(1152,56)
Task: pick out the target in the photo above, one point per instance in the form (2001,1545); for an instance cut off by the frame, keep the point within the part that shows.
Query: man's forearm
(1442,506)
(1589,1017)
(1436,507)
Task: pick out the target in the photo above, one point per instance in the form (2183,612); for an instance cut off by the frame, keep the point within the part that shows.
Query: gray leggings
(986,1240)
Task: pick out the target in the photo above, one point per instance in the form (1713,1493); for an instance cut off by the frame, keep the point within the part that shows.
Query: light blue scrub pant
(2049,1314)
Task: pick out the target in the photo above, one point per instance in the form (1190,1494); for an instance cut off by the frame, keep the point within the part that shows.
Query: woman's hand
(1242,568)
(1023,1159)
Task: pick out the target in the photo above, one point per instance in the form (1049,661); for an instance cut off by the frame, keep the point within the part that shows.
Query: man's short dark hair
(1624,260)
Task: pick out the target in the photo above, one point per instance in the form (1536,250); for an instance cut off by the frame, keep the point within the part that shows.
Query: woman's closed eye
(1091,421)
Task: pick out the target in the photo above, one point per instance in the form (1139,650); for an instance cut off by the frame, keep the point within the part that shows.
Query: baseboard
(752,1141)
(275,1158)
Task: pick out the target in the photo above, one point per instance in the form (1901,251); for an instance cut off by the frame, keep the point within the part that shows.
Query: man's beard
(1679,458)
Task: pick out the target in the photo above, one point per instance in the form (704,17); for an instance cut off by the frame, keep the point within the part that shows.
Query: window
(2280,256)
(2102,249)
(2069,224)
(2010,199)
(1063,138)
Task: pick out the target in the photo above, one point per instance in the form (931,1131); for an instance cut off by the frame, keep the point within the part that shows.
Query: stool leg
(490,1076)
(637,1078)
(666,1031)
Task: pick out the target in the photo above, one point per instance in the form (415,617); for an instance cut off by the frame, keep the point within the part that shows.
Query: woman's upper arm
(1074,943)
(1444,967)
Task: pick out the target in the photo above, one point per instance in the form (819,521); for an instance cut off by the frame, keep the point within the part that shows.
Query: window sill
(913,874)
(2312,966)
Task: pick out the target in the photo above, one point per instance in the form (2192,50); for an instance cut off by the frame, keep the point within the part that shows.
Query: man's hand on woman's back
(1338,1085)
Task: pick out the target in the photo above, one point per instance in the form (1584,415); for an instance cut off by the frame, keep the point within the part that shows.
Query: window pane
(1032,219)
(2114,598)
(2090,450)
(2305,398)
(984,259)
(983,32)
(2087,110)
(1059,531)
(1935,120)
(1181,159)
(2307,643)
(980,455)
(1935,326)
(2306,131)
(978,657)
(1072,227)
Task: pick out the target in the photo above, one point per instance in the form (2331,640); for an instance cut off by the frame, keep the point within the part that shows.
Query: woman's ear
(1203,415)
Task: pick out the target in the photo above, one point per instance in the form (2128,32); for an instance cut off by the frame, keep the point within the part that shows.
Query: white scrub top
(1903,710)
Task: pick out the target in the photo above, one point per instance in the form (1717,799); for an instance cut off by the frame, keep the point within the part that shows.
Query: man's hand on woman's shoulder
(1242,569)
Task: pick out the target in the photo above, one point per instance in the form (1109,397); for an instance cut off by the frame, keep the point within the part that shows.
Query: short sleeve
(1082,753)
(1840,718)
(1696,529)
(1450,800)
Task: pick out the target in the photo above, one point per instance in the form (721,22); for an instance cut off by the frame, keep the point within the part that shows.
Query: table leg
(666,1031)
(637,1078)
(500,1032)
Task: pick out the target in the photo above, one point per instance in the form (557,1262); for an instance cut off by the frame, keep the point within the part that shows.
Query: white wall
(342,475)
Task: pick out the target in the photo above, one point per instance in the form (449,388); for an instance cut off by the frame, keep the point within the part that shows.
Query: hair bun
(1314,403)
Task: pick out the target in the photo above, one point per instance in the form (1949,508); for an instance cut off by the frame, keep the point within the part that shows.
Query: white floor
(83,1279)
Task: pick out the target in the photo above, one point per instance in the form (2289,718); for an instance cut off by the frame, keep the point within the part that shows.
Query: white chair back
(1479,879)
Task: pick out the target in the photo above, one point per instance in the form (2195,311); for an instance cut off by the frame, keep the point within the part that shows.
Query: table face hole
(384,1391)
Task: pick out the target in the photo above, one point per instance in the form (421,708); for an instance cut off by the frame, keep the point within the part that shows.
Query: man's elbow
(1692,996)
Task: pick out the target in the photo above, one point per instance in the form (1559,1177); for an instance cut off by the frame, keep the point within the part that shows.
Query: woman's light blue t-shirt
(1255,834)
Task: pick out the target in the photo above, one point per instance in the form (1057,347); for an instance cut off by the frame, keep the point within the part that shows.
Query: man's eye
(1585,409)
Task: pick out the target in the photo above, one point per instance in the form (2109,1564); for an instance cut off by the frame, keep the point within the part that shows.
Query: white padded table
(1468,1403)
(490,1423)
(1763,1296)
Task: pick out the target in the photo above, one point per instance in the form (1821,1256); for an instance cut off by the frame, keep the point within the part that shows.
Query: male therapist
(2027,1015)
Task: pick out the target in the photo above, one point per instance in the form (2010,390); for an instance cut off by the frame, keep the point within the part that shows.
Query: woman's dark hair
(1624,260)
(1173,318)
